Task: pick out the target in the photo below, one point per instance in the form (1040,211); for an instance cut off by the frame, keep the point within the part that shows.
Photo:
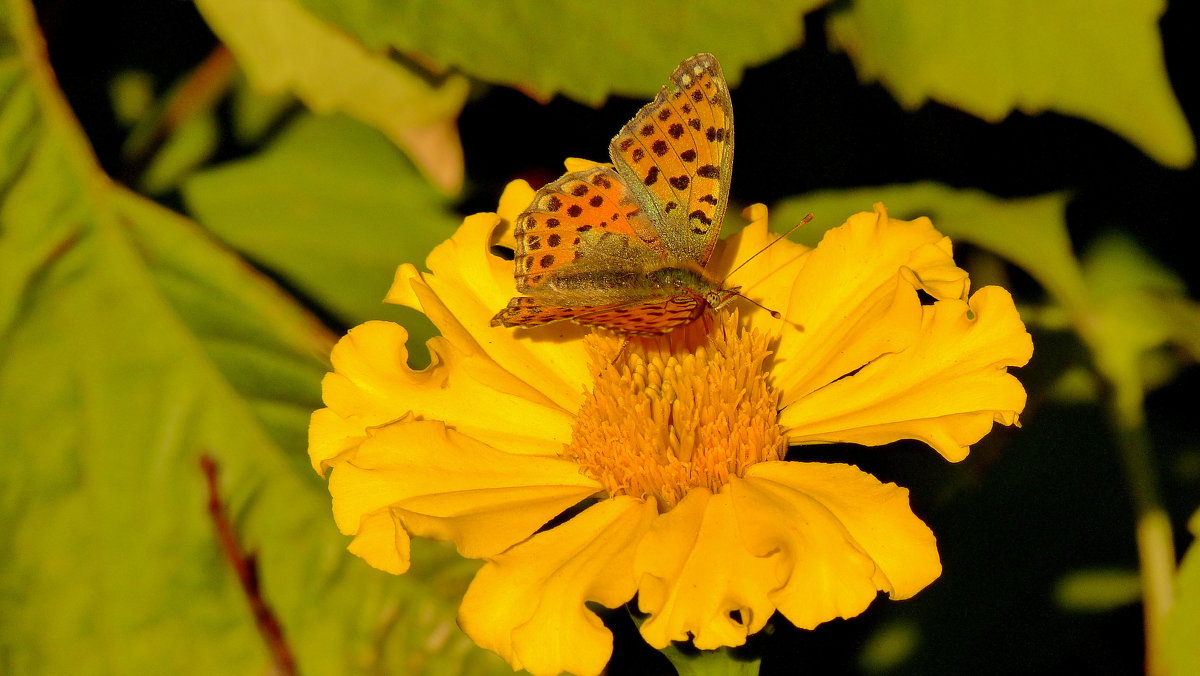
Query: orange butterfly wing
(580,207)
(676,155)
(587,246)
(644,318)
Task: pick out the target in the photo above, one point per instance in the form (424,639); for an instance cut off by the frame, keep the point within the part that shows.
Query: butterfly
(625,247)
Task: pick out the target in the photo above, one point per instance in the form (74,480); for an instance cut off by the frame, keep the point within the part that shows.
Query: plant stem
(1155,542)
(246,568)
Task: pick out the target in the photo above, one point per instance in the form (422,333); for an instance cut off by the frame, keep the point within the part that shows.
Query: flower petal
(544,359)
(838,532)
(932,270)
(372,385)
(946,389)
(853,301)
(467,285)
(420,478)
(382,542)
(697,582)
(516,197)
(770,267)
(581,164)
(528,604)
(332,438)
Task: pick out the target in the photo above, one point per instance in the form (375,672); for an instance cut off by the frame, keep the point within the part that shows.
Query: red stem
(246,568)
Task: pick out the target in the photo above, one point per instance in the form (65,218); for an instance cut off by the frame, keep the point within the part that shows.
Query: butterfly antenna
(774,313)
(775,241)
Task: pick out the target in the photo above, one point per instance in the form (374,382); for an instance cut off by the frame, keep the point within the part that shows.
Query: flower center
(672,413)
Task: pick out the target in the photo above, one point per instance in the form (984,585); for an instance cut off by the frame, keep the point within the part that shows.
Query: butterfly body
(623,286)
(625,247)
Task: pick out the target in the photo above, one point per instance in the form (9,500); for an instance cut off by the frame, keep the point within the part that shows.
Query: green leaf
(585,50)
(720,662)
(1115,263)
(193,142)
(177,133)
(1097,590)
(331,207)
(1031,232)
(283,48)
(130,345)
(1101,61)
(1138,306)
(890,646)
(1183,622)
(253,114)
(132,95)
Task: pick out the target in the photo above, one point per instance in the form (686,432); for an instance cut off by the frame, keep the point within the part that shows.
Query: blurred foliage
(133,344)
(174,270)
(1098,60)
(284,48)
(1183,626)
(318,177)
(587,51)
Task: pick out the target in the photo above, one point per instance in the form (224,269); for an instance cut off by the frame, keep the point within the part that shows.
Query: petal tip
(401,291)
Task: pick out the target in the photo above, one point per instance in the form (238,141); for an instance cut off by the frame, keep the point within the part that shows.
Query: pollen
(669,414)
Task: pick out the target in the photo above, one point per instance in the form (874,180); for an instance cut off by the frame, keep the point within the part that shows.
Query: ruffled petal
(528,604)
(370,359)
(932,270)
(697,582)
(372,384)
(854,298)
(467,285)
(418,478)
(769,271)
(383,542)
(332,438)
(946,389)
(839,535)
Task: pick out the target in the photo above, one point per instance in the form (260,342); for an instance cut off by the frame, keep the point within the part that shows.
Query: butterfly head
(719,297)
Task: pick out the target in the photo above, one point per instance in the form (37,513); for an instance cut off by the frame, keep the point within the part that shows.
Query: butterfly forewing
(584,214)
(676,156)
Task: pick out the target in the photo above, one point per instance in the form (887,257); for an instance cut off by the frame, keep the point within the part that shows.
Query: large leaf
(130,345)
(586,50)
(330,206)
(1101,61)
(284,48)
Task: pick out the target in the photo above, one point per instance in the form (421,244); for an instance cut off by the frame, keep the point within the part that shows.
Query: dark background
(1029,505)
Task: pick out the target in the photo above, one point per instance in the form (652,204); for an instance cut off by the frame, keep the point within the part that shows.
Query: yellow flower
(667,453)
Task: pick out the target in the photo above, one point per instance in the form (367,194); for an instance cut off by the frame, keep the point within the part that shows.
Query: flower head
(660,422)
(670,448)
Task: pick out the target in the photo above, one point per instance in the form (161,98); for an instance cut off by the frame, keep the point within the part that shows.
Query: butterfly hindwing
(647,318)
(526,311)
(569,216)
(676,155)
